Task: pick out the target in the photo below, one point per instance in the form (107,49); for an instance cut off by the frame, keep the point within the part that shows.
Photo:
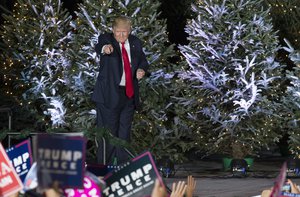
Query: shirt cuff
(102,50)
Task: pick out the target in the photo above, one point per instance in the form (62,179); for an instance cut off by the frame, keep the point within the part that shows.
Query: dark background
(175,11)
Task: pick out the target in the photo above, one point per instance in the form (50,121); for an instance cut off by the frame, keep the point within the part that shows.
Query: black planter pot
(293,167)
(239,167)
(165,167)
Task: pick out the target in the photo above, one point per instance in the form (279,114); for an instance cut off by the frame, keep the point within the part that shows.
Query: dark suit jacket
(106,89)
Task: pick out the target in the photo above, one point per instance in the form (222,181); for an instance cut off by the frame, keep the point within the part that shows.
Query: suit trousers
(118,120)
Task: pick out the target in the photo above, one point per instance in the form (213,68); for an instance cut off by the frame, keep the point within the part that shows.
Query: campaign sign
(31,181)
(90,188)
(10,182)
(21,158)
(60,160)
(276,192)
(135,179)
(285,194)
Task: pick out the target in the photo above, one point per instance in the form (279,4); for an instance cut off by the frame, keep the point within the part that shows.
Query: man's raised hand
(108,49)
(140,73)
(191,186)
(178,189)
(158,190)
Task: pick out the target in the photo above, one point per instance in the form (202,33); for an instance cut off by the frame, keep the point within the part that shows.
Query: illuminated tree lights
(35,36)
(58,66)
(226,92)
(233,76)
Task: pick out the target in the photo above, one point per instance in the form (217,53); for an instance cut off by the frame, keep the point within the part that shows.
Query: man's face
(121,33)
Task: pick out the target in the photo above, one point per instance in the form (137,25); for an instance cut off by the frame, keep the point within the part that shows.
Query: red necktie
(127,70)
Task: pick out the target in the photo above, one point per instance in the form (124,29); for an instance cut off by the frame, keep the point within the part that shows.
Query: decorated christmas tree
(291,102)
(36,36)
(232,77)
(55,62)
(285,15)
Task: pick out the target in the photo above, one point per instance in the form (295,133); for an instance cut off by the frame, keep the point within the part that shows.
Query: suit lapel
(133,52)
(116,45)
(132,55)
(132,48)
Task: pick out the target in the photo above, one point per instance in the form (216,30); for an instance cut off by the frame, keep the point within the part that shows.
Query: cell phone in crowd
(286,188)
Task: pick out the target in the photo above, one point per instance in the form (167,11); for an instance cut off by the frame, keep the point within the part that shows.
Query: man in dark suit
(116,92)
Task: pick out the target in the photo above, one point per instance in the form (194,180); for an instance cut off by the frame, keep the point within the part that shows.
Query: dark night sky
(176,13)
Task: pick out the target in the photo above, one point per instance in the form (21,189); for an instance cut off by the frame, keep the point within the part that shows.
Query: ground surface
(216,187)
(212,181)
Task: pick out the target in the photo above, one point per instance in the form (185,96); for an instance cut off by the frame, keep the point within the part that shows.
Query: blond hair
(121,21)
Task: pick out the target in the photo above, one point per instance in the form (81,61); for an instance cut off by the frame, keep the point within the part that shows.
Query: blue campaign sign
(20,156)
(285,194)
(60,159)
(134,179)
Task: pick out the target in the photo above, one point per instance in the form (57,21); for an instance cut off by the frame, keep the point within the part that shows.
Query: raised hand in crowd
(51,193)
(178,190)
(158,190)
(266,193)
(14,195)
(191,186)
(294,187)
(54,191)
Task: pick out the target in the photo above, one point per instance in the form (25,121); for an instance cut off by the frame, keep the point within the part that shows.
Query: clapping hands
(178,189)
(158,190)
(191,186)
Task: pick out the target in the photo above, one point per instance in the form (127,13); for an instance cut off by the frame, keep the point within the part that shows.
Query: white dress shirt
(127,47)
